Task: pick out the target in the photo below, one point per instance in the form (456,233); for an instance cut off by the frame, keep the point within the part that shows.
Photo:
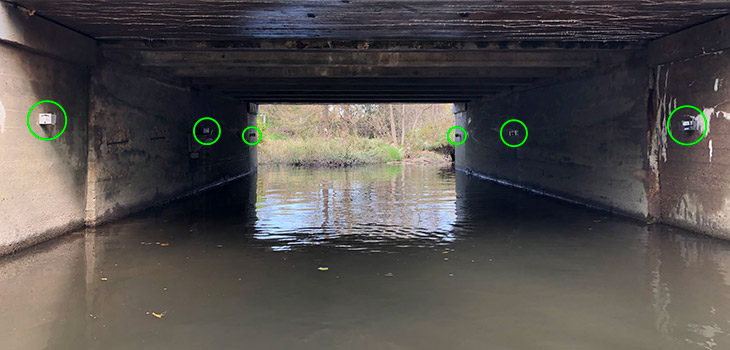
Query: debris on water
(162,244)
(446,259)
(451,275)
(104,279)
(219,246)
(160,315)
(445,252)
(472,260)
(389,274)
(165,289)
(323,268)
(596,221)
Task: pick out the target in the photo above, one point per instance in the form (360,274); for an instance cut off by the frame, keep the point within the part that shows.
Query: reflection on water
(371,258)
(356,210)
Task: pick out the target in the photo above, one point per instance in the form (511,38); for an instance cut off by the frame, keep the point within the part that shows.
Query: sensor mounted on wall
(47,119)
(690,125)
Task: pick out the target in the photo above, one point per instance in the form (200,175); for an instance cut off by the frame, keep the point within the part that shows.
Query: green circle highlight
(669,126)
(65,120)
(196,136)
(452,142)
(243,135)
(502,129)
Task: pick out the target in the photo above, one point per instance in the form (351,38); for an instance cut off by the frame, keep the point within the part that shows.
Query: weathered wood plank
(360,19)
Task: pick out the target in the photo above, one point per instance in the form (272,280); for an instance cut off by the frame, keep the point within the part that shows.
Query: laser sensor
(47,119)
(690,125)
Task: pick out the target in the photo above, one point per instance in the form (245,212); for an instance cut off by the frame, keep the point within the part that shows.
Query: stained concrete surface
(43,186)
(586,138)
(695,180)
(142,151)
(128,144)
(602,139)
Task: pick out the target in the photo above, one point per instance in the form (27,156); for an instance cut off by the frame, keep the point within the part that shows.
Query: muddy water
(369,258)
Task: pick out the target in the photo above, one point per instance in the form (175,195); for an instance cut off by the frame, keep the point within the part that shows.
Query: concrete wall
(141,149)
(42,183)
(693,68)
(587,139)
(128,144)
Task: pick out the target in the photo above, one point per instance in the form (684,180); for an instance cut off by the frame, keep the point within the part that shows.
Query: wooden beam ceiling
(373,50)
(555,20)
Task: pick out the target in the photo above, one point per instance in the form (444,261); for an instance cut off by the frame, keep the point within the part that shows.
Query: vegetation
(343,135)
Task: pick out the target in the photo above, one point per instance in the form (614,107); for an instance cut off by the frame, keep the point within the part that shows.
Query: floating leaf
(323,268)
(160,315)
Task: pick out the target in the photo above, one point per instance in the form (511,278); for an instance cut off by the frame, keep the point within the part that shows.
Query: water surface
(385,257)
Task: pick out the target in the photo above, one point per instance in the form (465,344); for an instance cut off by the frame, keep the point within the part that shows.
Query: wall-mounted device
(47,119)
(690,125)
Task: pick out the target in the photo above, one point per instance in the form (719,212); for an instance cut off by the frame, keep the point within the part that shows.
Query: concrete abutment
(128,144)
(601,139)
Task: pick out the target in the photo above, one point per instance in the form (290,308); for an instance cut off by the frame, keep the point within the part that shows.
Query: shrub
(343,151)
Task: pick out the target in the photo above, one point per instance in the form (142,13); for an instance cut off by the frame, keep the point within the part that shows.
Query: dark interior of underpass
(587,205)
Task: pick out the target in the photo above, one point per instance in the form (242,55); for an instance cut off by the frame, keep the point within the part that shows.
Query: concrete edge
(711,232)
(78,225)
(124,212)
(707,230)
(42,237)
(561,197)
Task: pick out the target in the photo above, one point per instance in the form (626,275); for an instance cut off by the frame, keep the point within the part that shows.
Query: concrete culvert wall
(586,140)
(141,149)
(602,139)
(42,183)
(596,103)
(128,144)
(693,68)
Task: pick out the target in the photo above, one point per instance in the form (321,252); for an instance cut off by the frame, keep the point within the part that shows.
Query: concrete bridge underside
(594,81)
